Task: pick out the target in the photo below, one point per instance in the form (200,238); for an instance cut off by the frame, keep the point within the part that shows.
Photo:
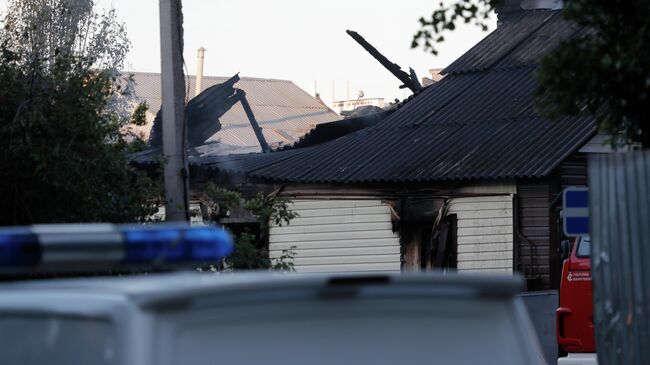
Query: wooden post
(173,110)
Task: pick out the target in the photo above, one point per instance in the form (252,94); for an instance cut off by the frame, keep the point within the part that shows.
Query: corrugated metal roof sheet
(479,122)
(520,41)
(284,111)
(330,131)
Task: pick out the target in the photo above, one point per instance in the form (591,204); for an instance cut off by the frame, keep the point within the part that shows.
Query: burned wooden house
(466,175)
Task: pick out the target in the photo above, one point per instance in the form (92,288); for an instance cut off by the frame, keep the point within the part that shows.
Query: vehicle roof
(160,289)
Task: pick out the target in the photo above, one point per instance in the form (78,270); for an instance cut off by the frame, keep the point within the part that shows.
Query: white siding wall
(485,230)
(599,144)
(339,236)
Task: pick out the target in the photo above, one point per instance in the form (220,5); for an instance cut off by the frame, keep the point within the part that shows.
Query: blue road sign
(575,211)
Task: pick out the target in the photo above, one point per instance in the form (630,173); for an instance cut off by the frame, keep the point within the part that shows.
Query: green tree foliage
(604,73)
(52,30)
(64,156)
(447,16)
(251,251)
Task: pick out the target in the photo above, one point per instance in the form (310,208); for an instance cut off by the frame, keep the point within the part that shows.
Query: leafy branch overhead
(446,17)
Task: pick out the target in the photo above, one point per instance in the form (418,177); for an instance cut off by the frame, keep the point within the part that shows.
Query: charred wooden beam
(410,80)
(241,95)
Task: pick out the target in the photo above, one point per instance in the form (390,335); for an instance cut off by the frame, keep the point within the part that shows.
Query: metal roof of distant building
(283,110)
(479,122)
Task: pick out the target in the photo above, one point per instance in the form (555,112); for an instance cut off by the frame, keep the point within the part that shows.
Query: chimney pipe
(508,8)
(199,71)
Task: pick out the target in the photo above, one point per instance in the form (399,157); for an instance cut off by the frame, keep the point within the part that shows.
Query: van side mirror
(565,249)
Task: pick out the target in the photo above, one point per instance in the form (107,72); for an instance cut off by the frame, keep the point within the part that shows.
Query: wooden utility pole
(173,111)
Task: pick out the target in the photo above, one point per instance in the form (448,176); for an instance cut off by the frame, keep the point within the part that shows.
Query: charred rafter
(410,80)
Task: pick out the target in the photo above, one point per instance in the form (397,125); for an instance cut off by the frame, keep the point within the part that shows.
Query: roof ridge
(319,107)
(241,78)
(143,73)
(247,78)
(521,66)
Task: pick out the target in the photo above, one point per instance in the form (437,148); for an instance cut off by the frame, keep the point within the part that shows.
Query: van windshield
(584,247)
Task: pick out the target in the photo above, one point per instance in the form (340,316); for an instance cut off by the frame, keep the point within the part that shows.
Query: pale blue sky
(298,40)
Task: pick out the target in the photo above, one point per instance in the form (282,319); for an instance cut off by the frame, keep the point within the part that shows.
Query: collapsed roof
(284,111)
(478,122)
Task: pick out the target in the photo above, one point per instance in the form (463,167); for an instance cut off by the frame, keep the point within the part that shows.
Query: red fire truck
(575,325)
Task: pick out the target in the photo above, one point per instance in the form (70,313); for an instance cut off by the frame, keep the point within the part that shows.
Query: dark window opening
(430,248)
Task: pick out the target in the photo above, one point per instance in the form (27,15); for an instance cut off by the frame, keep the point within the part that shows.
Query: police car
(204,318)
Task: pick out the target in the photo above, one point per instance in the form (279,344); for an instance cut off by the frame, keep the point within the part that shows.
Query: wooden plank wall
(339,236)
(534,236)
(538,223)
(573,171)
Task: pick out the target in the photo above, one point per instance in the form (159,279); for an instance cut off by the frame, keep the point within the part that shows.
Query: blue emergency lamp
(19,247)
(70,246)
(170,244)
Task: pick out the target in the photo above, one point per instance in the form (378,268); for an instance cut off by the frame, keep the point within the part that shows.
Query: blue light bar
(19,247)
(76,246)
(176,244)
